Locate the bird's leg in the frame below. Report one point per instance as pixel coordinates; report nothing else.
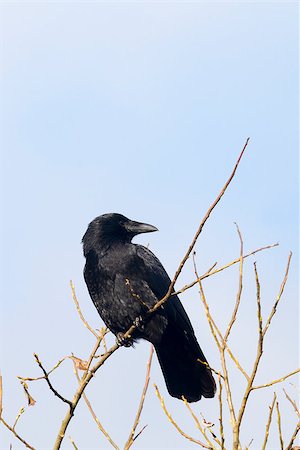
(121, 341)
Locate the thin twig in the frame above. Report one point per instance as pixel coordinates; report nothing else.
(294, 435)
(49, 382)
(73, 443)
(239, 293)
(48, 373)
(16, 434)
(282, 286)
(271, 408)
(99, 425)
(221, 414)
(22, 410)
(131, 437)
(198, 232)
(259, 316)
(293, 403)
(279, 380)
(259, 353)
(279, 425)
(213, 326)
(86, 324)
(210, 447)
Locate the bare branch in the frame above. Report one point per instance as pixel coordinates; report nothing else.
(239, 293)
(294, 435)
(22, 410)
(43, 377)
(86, 324)
(49, 382)
(271, 408)
(213, 326)
(176, 425)
(99, 425)
(73, 443)
(221, 413)
(293, 403)
(141, 405)
(16, 434)
(279, 425)
(259, 353)
(273, 311)
(279, 380)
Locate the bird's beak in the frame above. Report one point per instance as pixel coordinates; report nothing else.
(137, 227)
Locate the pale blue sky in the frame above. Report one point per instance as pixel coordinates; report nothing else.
(142, 108)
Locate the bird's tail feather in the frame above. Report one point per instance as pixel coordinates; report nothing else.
(181, 360)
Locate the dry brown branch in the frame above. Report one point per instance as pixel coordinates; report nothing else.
(240, 288)
(16, 434)
(294, 435)
(213, 326)
(86, 379)
(73, 443)
(99, 425)
(211, 272)
(279, 425)
(271, 408)
(282, 286)
(221, 348)
(259, 316)
(86, 324)
(236, 428)
(22, 410)
(293, 403)
(132, 436)
(57, 394)
(279, 380)
(42, 377)
(176, 425)
(221, 413)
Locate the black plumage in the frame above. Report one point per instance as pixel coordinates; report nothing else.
(125, 280)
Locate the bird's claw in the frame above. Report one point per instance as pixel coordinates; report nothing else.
(123, 341)
(139, 323)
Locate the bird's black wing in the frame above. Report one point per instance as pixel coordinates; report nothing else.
(158, 281)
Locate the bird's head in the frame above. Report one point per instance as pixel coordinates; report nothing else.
(112, 227)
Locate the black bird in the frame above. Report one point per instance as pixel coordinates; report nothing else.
(124, 281)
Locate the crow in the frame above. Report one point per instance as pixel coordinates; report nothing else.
(124, 281)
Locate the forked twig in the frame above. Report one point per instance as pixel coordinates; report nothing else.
(50, 384)
(16, 434)
(210, 447)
